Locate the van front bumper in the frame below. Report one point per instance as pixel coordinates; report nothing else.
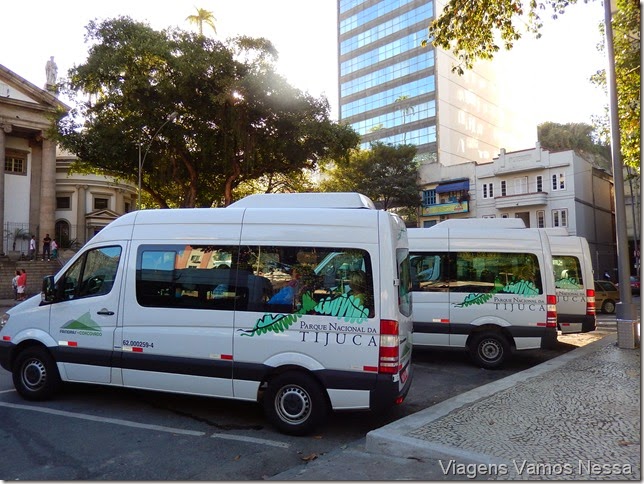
(6, 349)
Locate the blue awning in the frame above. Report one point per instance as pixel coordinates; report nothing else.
(453, 186)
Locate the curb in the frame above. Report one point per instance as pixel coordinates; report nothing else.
(392, 439)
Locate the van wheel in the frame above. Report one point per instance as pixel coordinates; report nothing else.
(35, 375)
(295, 403)
(608, 307)
(489, 349)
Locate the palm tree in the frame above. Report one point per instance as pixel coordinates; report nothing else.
(406, 108)
(203, 16)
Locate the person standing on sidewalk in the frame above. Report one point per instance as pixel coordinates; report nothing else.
(32, 248)
(14, 284)
(54, 249)
(46, 247)
(22, 285)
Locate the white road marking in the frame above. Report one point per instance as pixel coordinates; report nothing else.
(115, 421)
(273, 443)
(7, 391)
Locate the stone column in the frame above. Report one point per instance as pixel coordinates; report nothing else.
(81, 231)
(48, 188)
(6, 128)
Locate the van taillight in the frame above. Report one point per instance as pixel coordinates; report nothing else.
(388, 356)
(590, 302)
(551, 315)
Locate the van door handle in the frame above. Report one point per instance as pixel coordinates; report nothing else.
(105, 312)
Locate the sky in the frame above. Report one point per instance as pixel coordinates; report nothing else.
(547, 78)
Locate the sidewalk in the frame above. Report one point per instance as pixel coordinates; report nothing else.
(575, 417)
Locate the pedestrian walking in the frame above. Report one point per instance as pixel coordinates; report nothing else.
(46, 247)
(32, 248)
(22, 285)
(14, 284)
(54, 249)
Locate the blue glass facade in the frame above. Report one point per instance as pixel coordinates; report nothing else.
(386, 79)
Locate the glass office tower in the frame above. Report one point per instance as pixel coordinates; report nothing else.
(393, 90)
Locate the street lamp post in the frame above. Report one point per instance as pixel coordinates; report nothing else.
(172, 116)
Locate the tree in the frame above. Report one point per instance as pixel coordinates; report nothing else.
(626, 40)
(571, 136)
(387, 174)
(238, 119)
(202, 16)
(475, 30)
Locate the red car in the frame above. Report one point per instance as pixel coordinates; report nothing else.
(635, 286)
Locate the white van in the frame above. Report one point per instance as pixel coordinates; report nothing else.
(576, 312)
(227, 303)
(486, 291)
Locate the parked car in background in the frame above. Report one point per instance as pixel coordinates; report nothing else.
(606, 296)
(635, 285)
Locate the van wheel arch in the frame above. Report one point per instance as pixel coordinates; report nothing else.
(294, 400)
(490, 347)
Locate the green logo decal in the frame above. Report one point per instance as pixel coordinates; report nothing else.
(344, 307)
(524, 288)
(569, 283)
(84, 325)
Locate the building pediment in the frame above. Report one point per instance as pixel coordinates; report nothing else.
(102, 215)
(18, 91)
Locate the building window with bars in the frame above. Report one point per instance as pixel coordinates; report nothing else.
(504, 188)
(488, 190)
(539, 183)
(541, 219)
(15, 162)
(429, 197)
(559, 182)
(560, 218)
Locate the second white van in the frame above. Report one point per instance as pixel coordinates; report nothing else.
(489, 292)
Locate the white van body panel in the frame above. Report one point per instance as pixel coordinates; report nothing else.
(444, 317)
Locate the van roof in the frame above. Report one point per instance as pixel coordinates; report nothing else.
(305, 200)
(481, 223)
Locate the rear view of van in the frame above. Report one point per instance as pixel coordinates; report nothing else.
(298, 301)
(576, 312)
(489, 292)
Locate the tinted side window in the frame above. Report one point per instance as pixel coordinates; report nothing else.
(430, 271)
(186, 276)
(497, 272)
(476, 272)
(404, 278)
(567, 272)
(93, 274)
(266, 279)
(306, 280)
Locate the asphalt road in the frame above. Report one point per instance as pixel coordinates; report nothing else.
(91, 432)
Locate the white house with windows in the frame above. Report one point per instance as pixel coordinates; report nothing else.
(551, 189)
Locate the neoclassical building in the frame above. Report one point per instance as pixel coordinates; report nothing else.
(37, 193)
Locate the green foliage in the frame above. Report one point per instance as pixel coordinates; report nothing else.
(478, 29)
(626, 40)
(202, 16)
(386, 174)
(238, 119)
(580, 137)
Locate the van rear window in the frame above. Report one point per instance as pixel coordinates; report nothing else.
(567, 272)
(476, 272)
(269, 279)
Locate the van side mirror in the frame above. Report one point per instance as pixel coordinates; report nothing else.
(48, 293)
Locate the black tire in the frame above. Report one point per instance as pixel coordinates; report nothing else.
(295, 403)
(489, 349)
(35, 374)
(608, 306)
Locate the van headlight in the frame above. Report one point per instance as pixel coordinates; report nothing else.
(4, 320)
